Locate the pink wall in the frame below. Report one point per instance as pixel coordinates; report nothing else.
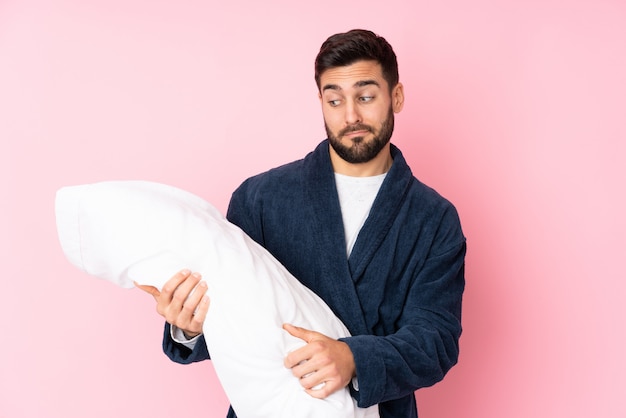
(515, 111)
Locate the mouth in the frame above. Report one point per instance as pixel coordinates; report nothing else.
(356, 131)
(353, 134)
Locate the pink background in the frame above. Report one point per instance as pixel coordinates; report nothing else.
(515, 111)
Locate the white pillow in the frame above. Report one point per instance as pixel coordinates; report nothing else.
(146, 232)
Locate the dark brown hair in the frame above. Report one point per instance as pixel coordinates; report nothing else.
(357, 45)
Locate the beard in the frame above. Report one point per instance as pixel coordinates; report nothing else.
(361, 151)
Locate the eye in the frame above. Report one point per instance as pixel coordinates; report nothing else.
(334, 103)
(366, 99)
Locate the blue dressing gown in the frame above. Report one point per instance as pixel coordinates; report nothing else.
(400, 291)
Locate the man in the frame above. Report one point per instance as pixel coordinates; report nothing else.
(350, 221)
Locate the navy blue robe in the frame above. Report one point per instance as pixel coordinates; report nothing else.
(400, 291)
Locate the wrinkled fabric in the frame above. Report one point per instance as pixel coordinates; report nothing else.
(400, 291)
(146, 232)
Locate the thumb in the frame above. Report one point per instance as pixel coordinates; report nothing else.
(302, 333)
(148, 289)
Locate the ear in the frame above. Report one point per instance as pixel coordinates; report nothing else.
(397, 98)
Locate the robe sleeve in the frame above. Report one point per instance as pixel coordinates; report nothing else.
(179, 353)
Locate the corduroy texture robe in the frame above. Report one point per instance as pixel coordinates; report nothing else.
(400, 291)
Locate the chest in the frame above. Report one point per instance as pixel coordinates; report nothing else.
(367, 290)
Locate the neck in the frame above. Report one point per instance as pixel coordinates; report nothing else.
(378, 165)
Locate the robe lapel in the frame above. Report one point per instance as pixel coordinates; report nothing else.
(384, 210)
(333, 281)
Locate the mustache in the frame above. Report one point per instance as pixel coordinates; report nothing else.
(354, 128)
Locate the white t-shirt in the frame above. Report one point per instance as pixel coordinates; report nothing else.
(356, 197)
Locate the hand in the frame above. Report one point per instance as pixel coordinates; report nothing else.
(180, 304)
(323, 366)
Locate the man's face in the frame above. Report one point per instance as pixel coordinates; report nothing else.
(358, 110)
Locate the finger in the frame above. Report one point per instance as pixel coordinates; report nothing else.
(148, 289)
(322, 390)
(174, 305)
(172, 284)
(190, 304)
(319, 385)
(299, 364)
(302, 333)
(201, 312)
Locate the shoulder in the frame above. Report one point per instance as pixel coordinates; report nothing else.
(273, 180)
(265, 193)
(287, 176)
(437, 214)
(429, 197)
(424, 208)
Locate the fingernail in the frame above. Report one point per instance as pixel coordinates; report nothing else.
(185, 272)
(202, 284)
(196, 275)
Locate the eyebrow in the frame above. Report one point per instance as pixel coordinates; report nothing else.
(358, 84)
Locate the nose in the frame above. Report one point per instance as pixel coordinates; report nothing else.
(352, 114)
